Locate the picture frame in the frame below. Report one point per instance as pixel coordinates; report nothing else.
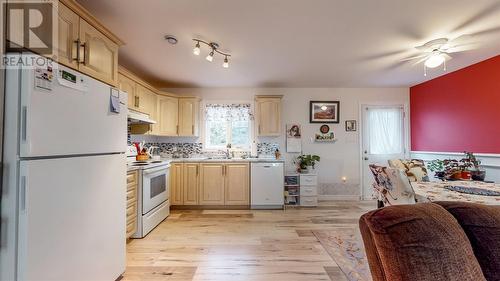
(351, 126)
(324, 112)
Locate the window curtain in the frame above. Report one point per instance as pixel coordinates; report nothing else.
(385, 130)
(228, 112)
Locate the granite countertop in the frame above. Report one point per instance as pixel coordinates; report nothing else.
(205, 159)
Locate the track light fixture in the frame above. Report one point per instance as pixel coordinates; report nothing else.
(214, 49)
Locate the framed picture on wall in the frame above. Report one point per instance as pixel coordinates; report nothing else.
(324, 112)
(350, 126)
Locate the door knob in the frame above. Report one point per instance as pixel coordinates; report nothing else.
(366, 158)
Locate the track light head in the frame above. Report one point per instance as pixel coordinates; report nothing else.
(210, 56)
(196, 49)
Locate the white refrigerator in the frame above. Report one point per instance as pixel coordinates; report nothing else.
(64, 176)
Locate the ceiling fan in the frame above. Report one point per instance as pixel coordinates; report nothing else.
(436, 52)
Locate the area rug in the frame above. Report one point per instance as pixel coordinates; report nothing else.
(345, 246)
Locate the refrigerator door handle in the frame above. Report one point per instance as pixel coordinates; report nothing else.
(24, 123)
(22, 194)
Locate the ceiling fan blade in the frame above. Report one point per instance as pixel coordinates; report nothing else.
(447, 56)
(461, 48)
(422, 48)
(415, 57)
(460, 39)
(420, 60)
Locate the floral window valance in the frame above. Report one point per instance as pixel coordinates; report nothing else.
(228, 112)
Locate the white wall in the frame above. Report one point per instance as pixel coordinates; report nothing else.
(339, 159)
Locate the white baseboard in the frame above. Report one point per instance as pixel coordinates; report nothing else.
(338, 197)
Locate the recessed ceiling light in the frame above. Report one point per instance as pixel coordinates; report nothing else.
(171, 39)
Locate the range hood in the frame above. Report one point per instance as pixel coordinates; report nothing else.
(135, 117)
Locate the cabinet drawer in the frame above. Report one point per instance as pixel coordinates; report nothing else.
(132, 186)
(131, 227)
(131, 178)
(308, 190)
(310, 201)
(131, 194)
(131, 211)
(308, 180)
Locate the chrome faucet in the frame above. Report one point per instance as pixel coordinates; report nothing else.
(228, 152)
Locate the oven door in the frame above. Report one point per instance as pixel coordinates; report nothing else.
(154, 187)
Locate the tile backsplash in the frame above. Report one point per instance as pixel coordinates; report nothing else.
(193, 148)
(183, 148)
(267, 148)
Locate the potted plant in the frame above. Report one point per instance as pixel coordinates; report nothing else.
(474, 166)
(453, 169)
(307, 162)
(437, 166)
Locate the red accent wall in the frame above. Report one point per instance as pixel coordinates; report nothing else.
(459, 111)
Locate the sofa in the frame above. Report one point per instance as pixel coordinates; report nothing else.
(433, 241)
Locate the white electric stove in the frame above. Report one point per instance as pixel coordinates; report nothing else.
(153, 204)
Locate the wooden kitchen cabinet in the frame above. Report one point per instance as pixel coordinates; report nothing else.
(129, 86)
(131, 211)
(212, 184)
(146, 100)
(68, 29)
(191, 183)
(236, 183)
(168, 116)
(188, 116)
(176, 181)
(83, 43)
(268, 111)
(98, 54)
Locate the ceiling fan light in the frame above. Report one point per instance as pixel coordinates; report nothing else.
(434, 60)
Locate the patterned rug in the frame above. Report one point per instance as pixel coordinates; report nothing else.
(345, 246)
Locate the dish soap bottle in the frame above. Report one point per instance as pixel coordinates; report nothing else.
(277, 154)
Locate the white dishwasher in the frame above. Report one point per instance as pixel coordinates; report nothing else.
(267, 185)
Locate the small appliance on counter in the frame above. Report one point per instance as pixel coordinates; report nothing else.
(153, 204)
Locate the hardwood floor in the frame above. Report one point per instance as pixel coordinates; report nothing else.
(242, 244)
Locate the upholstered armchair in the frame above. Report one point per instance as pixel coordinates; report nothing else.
(442, 241)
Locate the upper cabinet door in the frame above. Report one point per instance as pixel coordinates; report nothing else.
(98, 54)
(269, 116)
(188, 116)
(68, 36)
(168, 116)
(146, 100)
(129, 86)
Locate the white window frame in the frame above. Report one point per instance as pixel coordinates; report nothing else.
(227, 102)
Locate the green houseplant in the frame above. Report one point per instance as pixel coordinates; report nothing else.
(307, 162)
(437, 166)
(474, 166)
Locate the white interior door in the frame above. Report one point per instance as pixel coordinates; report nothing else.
(384, 137)
(72, 218)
